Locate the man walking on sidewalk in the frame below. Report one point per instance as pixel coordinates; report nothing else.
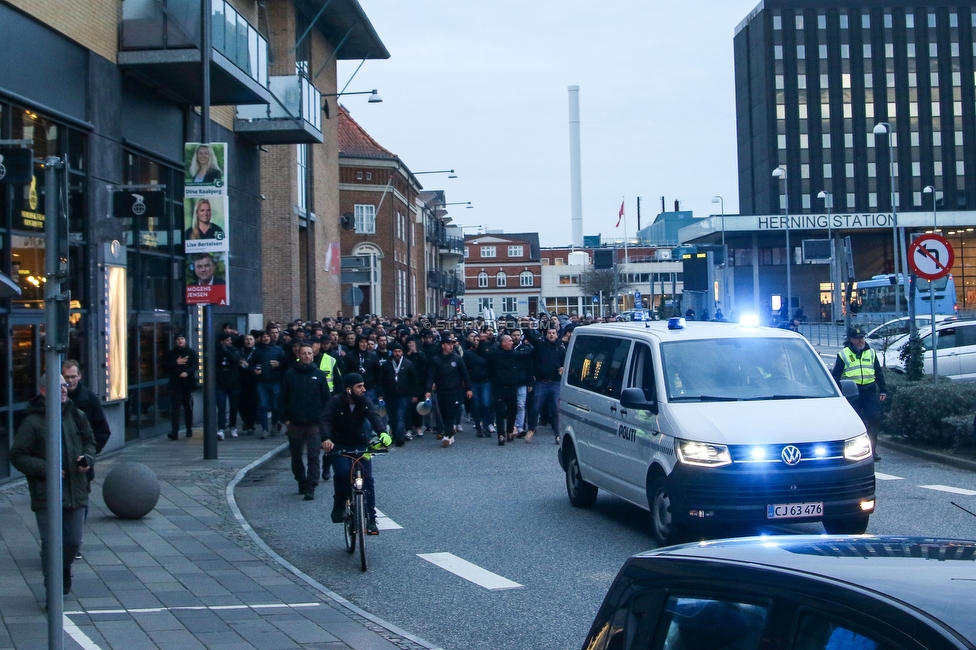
(29, 456)
(304, 393)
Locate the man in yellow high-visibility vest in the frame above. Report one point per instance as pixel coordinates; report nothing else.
(859, 362)
(329, 364)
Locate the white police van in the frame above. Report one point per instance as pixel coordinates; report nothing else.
(712, 423)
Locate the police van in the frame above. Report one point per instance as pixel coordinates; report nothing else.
(712, 423)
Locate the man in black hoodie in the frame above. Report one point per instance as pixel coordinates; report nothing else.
(181, 364)
(505, 364)
(304, 393)
(398, 386)
(448, 376)
(549, 355)
(476, 362)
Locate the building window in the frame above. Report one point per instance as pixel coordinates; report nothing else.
(801, 52)
(823, 51)
(487, 251)
(934, 50)
(843, 21)
(866, 21)
(827, 171)
(526, 279)
(569, 279)
(365, 219)
(467, 251)
(821, 22)
(359, 176)
(509, 304)
(867, 50)
(485, 303)
(516, 251)
(302, 168)
(845, 51)
(910, 21)
(369, 176)
(777, 22)
(778, 52)
(799, 21)
(501, 280)
(482, 280)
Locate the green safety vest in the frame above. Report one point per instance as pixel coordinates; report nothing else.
(327, 365)
(860, 370)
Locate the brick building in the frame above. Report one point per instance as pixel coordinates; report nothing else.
(502, 273)
(113, 89)
(383, 254)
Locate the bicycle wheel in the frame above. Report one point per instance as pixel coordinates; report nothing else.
(361, 527)
(348, 526)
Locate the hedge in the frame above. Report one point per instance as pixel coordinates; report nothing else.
(935, 414)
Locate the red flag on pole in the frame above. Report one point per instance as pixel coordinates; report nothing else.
(621, 215)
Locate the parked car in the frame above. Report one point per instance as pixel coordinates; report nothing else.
(899, 327)
(793, 593)
(707, 424)
(956, 353)
(636, 315)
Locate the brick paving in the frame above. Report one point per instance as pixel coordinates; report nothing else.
(188, 575)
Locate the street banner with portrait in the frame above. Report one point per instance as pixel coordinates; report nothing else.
(206, 279)
(206, 223)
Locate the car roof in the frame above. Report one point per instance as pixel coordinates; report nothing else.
(693, 330)
(934, 575)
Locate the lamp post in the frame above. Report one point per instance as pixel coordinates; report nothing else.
(374, 97)
(928, 189)
(725, 253)
(828, 200)
(780, 173)
(450, 172)
(884, 128)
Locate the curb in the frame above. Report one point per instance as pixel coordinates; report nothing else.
(927, 454)
(339, 600)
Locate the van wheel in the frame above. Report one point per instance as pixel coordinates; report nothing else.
(581, 494)
(665, 529)
(856, 525)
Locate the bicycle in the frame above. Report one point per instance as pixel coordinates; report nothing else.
(355, 518)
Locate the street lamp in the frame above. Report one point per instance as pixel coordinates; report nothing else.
(725, 252)
(884, 128)
(928, 189)
(828, 200)
(450, 172)
(374, 96)
(465, 203)
(780, 173)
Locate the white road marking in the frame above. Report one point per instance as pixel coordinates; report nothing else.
(468, 571)
(153, 610)
(79, 637)
(887, 477)
(949, 488)
(385, 523)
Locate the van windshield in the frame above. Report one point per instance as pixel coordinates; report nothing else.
(743, 369)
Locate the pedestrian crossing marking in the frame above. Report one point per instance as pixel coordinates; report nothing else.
(385, 523)
(470, 572)
(887, 477)
(78, 636)
(949, 488)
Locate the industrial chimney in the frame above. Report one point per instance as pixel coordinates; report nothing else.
(575, 175)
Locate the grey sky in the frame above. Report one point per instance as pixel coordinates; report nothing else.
(481, 87)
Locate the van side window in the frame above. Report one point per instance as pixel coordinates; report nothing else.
(816, 632)
(597, 364)
(642, 371)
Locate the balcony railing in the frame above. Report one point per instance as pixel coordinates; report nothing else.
(452, 245)
(445, 282)
(172, 25)
(294, 117)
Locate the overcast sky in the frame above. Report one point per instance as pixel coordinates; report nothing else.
(481, 87)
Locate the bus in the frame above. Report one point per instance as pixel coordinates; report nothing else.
(874, 300)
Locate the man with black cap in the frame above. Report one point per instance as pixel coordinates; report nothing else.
(181, 364)
(342, 425)
(859, 362)
(305, 390)
(448, 377)
(398, 386)
(228, 383)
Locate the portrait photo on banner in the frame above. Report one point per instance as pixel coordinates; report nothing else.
(206, 279)
(205, 164)
(205, 219)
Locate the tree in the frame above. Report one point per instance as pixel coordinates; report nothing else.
(596, 282)
(911, 355)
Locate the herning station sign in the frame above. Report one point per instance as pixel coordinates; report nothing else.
(820, 221)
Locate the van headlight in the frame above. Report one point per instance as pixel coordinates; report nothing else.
(857, 448)
(702, 454)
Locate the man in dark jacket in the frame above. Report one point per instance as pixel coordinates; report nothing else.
(419, 360)
(448, 377)
(548, 357)
(89, 404)
(248, 396)
(181, 364)
(304, 393)
(28, 454)
(363, 362)
(270, 365)
(505, 363)
(228, 383)
(343, 425)
(398, 387)
(476, 362)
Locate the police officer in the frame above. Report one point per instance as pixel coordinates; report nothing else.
(859, 362)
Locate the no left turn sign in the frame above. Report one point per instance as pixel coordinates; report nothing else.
(931, 256)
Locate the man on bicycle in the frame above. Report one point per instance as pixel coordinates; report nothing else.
(342, 425)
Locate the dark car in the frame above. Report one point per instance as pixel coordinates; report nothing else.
(794, 593)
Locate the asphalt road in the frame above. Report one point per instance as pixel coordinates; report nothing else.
(505, 510)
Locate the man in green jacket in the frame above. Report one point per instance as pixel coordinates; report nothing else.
(28, 455)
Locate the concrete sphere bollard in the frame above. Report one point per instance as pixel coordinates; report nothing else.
(131, 490)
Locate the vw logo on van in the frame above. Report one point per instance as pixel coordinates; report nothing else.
(791, 455)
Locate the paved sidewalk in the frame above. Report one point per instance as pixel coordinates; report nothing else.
(189, 575)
